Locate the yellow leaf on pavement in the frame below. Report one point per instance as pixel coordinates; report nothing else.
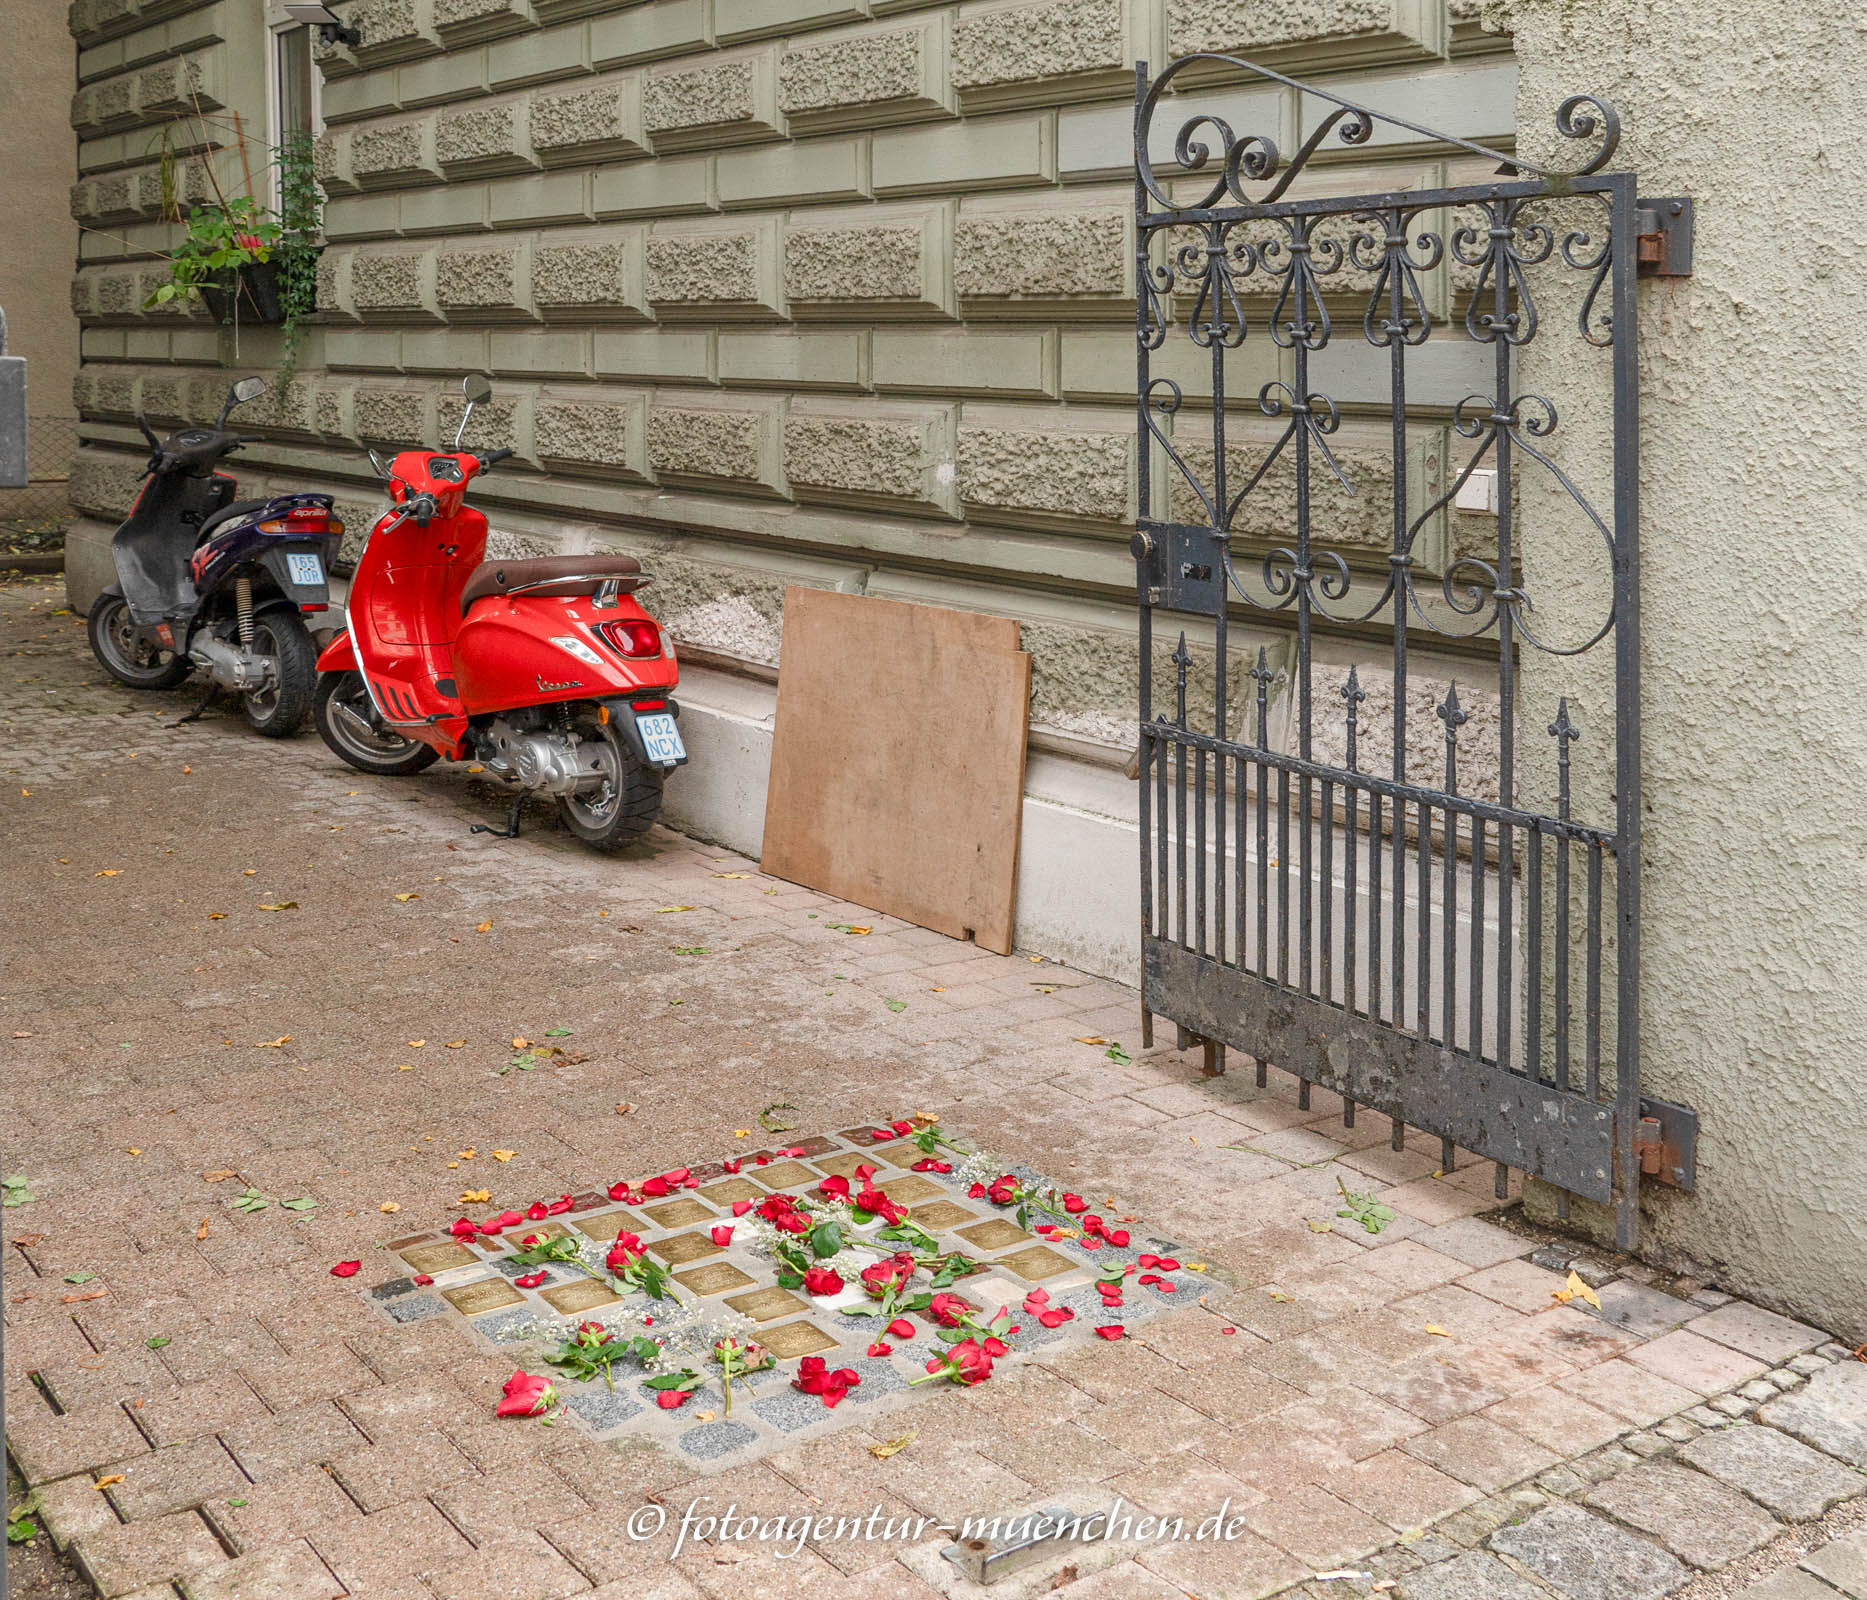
(475, 1197)
(416, 1044)
(894, 1447)
(218, 1175)
(105, 1483)
(1090, 1038)
(282, 905)
(217, 916)
(504, 1155)
(201, 1232)
(389, 1205)
(731, 874)
(521, 1044)
(274, 1044)
(484, 927)
(1575, 1289)
(108, 872)
(407, 897)
(662, 911)
(456, 1044)
(1434, 1328)
(468, 1154)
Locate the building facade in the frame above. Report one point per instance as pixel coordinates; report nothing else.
(824, 292)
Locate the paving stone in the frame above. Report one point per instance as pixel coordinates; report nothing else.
(135, 1554)
(415, 1309)
(1704, 1365)
(1808, 1365)
(1472, 1576)
(189, 1411)
(514, 1567)
(602, 1408)
(71, 1507)
(712, 1441)
(1831, 1413)
(1589, 1558)
(1477, 1244)
(1401, 1491)
(1693, 1515)
(510, 1502)
(267, 1446)
(1731, 1405)
(1629, 1391)
(1560, 1421)
(411, 1539)
(284, 1572)
(1480, 1453)
(1842, 1563)
(1316, 1527)
(1760, 1390)
(281, 1509)
(407, 1467)
(47, 1446)
(1786, 1380)
(1678, 1430)
(1756, 1332)
(1561, 1482)
(1775, 1470)
(1640, 1310)
(1789, 1583)
(1646, 1445)
(157, 1482)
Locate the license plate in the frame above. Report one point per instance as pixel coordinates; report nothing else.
(306, 571)
(662, 739)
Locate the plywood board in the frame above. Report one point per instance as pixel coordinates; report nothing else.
(897, 768)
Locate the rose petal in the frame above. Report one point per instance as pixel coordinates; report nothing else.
(723, 1234)
(1057, 1317)
(1150, 1278)
(537, 1211)
(618, 1191)
(656, 1187)
(1090, 1244)
(346, 1269)
(791, 1152)
(881, 1135)
(902, 1128)
(1039, 1296)
(463, 1229)
(670, 1399)
(531, 1280)
(741, 1207)
(559, 1206)
(976, 1192)
(1167, 1264)
(880, 1349)
(422, 1280)
(1074, 1204)
(1112, 1331)
(1117, 1237)
(729, 1166)
(931, 1165)
(1146, 1260)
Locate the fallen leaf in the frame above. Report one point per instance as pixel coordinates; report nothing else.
(894, 1447)
(1090, 1038)
(742, 1133)
(217, 916)
(250, 872)
(201, 1232)
(73, 1299)
(1575, 1289)
(108, 872)
(484, 927)
(274, 1044)
(521, 1044)
(79, 1277)
(283, 905)
(1281, 1298)
(105, 1483)
(1321, 1225)
(1434, 1328)
(389, 1205)
(456, 1044)
(1413, 1536)
(705, 1416)
(468, 1154)
(218, 1175)
(475, 1197)
(134, 1149)
(22, 1035)
(624, 1108)
(662, 911)
(504, 1155)
(186, 771)
(731, 874)
(404, 1067)
(407, 897)
(416, 1044)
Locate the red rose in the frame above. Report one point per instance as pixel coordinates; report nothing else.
(873, 1200)
(814, 1377)
(526, 1396)
(821, 1280)
(346, 1269)
(463, 1229)
(1074, 1203)
(671, 1399)
(624, 1252)
(947, 1310)
(971, 1361)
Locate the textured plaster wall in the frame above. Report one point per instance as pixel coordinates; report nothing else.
(1753, 575)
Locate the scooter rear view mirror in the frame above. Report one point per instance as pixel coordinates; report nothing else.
(246, 389)
(376, 462)
(476, 389)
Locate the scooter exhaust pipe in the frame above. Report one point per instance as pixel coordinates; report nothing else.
(229, 667)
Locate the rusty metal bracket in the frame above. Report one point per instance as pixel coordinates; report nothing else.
(1664, 237)
(1666, 1143)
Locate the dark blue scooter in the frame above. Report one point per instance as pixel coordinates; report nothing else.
(204, 580)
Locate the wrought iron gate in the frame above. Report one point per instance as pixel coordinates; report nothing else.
(1450, 940)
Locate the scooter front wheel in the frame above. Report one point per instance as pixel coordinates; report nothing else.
(278, 710)
(113, 641)
(347, 722)
(624, 806)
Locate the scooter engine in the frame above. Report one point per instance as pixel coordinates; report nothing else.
(550, 763)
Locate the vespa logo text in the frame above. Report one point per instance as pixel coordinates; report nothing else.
(546, 686)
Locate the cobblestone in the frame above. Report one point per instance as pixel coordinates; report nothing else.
(1694, 1516)
(1831, 1413)
(1589, 1559)
(1778, 1472)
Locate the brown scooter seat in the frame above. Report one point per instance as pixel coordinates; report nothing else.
(552, 575)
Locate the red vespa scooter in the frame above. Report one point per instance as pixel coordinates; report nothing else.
(547, 671)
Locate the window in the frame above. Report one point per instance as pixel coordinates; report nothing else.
(297, 96)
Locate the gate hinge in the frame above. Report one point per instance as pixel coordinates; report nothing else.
(1664, 237)
(1666, 1143)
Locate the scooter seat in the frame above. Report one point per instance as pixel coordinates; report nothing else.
(232, 513)
(552, 575)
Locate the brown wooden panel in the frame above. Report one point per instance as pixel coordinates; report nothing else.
(897, 768)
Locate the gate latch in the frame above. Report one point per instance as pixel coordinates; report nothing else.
(1666, 1143)
(1664, 237)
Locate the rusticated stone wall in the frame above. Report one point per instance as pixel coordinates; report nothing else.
(821, 291)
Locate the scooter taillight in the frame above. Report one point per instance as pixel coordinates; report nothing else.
(638, 640)
(305, 520)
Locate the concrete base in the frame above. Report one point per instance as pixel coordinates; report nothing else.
(1078, 885)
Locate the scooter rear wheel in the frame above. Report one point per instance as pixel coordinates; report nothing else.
(278, 710)
(348, 724)
(628, 801)
(113, 642)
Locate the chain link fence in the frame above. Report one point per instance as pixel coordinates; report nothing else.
(33, 519)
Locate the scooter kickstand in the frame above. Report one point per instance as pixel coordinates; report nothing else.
(511, 829)
(195, 715)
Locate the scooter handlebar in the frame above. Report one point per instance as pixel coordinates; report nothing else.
(493, 457)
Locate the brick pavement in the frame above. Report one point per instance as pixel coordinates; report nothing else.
(273, 1436)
